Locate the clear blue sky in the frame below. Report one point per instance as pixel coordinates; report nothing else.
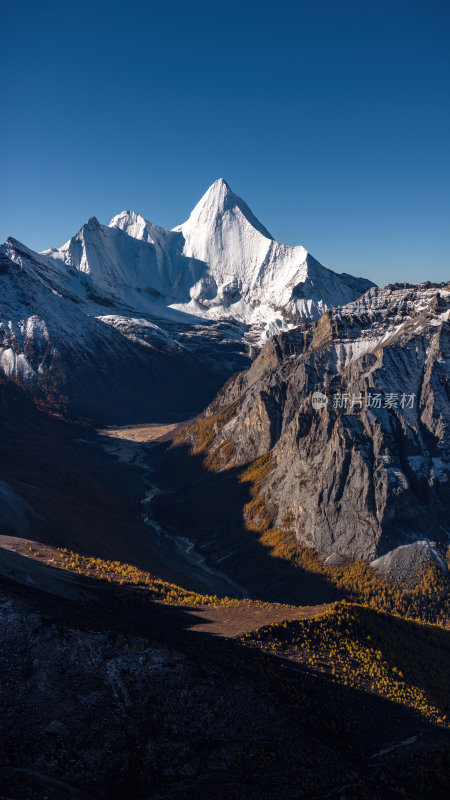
(329, 117)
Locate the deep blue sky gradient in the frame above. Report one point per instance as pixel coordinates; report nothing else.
(330, 118)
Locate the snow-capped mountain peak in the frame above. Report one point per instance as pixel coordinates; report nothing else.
(223, 263)
(220, 202)
(218, 278)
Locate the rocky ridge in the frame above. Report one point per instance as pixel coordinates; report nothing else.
(368, 469)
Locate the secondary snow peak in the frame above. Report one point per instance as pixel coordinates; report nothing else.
(133, 224)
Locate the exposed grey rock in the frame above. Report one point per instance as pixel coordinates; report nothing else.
(406, 562)
(334, 560)
(355, 480)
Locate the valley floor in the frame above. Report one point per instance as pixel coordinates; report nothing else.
(151, 432)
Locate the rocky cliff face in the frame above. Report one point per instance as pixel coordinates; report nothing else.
(364, 466)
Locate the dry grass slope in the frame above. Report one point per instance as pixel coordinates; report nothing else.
(404, 661)
(202, 432)
(115, 572)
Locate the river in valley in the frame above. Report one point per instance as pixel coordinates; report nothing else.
(175, 550)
